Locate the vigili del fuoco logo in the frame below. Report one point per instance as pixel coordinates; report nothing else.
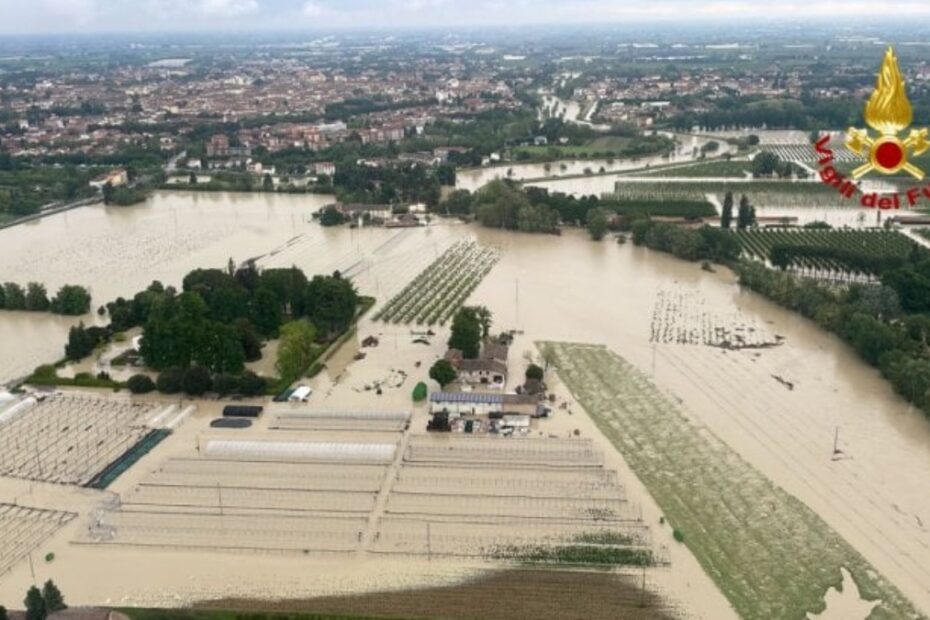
(886, 149)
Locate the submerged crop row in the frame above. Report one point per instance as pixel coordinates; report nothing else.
(857, 251)
(439, 290)
(770, 554)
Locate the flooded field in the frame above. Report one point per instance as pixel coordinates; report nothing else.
(777, 407)
(474, 178)
(118, 251)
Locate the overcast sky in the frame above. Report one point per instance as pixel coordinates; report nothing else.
(37, 16)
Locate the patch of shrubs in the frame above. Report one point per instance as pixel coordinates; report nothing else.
(197, 381)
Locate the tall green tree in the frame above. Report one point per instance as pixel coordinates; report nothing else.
(597, 223)
(331, 302)
(80, 343)
(746, 217)
(726, 217)
(466, 333)
(54, 601)
(218, 348)
(15, 296)
(251, 343)
(443, 372)
(331, 216)
(266, 311)
(71, 300)
(35, 605)
(289, 285)
(296, 349)
(36, 297)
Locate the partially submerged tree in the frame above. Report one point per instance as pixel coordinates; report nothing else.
(54, 601)
(597, 222)
(534, 372)
(726, 217)
(35, 605)
(467, 331)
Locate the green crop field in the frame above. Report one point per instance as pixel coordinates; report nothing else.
(760, 193)
(769, 554)
(663, 208)
(867, 243)
(714, 168)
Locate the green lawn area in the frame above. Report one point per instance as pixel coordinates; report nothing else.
(714, 168)
(609, 143)
(562, 151)
(769, 554)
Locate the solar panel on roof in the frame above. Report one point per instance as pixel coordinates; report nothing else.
(466, 397)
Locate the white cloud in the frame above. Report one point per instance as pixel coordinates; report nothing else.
(228, 8)
(313, 9)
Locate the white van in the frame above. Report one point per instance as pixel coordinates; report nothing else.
(301, 394)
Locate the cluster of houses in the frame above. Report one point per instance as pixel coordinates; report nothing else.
(481, 404)
(386, 215)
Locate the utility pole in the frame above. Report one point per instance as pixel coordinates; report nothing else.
(517, 301)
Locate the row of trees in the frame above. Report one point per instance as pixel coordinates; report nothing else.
(504, 204)
(196, 381)
(40, 603)
(706, 243)
(70, 299)
(756, 111)
(746, 215)
(784, 256)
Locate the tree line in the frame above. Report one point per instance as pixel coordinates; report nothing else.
(70, 299)
(505, 204)
(702, 244)
(200, 337)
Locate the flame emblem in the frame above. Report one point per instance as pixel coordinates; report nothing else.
(888, 112)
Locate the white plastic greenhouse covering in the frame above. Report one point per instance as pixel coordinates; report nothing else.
(332, 451)
(20, 407)
(348, 415)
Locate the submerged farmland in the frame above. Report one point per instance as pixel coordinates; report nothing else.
(770, 554)
(441, 289)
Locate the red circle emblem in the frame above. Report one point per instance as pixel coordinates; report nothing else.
(889, 155)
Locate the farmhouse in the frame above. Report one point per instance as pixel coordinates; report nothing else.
(490, 369)
(357, 210)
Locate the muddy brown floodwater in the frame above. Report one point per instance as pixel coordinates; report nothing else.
(118, 251)
(778, 407)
